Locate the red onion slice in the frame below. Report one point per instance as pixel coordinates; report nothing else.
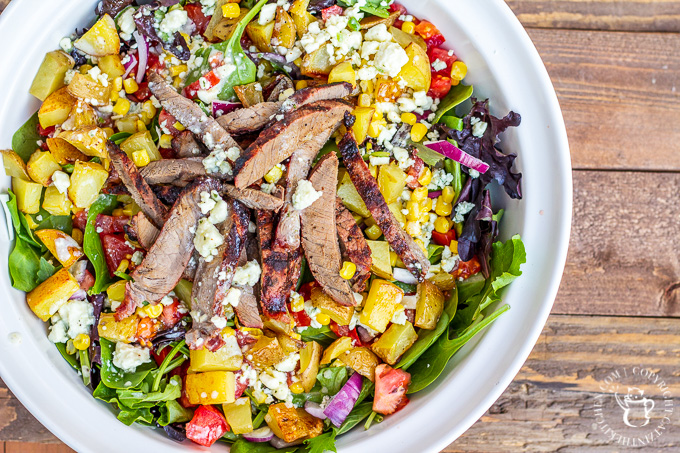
(404, 276)
(220, 108)
(434, 194)
(447, 149)
(143, 48)
(315, 410)
(264, 434)
(343, 402)
(130, 65)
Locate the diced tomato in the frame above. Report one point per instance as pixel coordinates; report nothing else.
(467, 268)
(306, 290)
(345, 331)
(437, 53)
(402, 12)
(115, 250)
(154, 63)
(390, 389)
(195, 13)
(414, 171)
(167, 153)
(207, 426)
(334, 10)
(142, 94)
(241, 384)
(87, 281)
(80, 220)
(439, 87)
(167, 122)
(171, 314)
(107, 224)
(216, 59)
(430, 33)
(46, 132)
(301, 318)
(444, 238)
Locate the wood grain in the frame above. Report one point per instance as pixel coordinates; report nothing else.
(630, 15)
(620, 96)
(25, 447)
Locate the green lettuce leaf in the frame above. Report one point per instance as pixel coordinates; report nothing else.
(92, 245)
(24, 141)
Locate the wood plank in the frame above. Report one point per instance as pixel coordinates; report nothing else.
(628, 15)
(620, 96)
(25, 447)
(623, 254)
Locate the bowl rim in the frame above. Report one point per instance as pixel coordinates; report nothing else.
(562, 155)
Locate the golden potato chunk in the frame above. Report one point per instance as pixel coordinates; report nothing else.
(265, 353)
(28, 195)
(381, 304)
(100, 40)
(56, 203)
(227, 358)
(335, 349)
(51, 294)
(429, 306)
(50, 76)
(284, 29)
(212, 387)
(123, 330)
(416, 73)
(41, 165)
(63, 151)
(361, 360)
(310, 356)
(394, 342)
(56, 108)
(90, 141)
(87, 180)
(61, 245)
(338, 313)
(238, 415)
(89, 90)
(14, 165)
(291, 423)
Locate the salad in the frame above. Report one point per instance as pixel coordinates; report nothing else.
(259, 223)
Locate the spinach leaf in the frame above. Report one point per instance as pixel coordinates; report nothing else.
(429, 156)
(142, 416)
(434, 253)
(70, 358)
(407, 288)
(20, 223)
(24, 141)
(358, 414)
(119, 137)
(321, 444)
(92, 245)
(135, 399)
(115, 378)
(243, 446)
(27, 268)
(332, 379)
(367, 389)
(53, 222)
(323, 335)
(373, 7)
(173, 412)
(471, 287)
(457, 95)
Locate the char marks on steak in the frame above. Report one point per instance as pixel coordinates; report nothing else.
(142, 230)
(319, 234)
(178, 172)
(253, 198)
(410, 253)
(353, 246)
(337, 90)
(249, 119)
(185, 145)
(167, 194)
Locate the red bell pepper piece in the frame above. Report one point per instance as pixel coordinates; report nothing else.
(430, 33)
(415, 171)
(334, 10)
(171, 314)
(437, 53)
(444, 238)
(46, 132)
(345, 331)
(195, 13)
(439, 87)
(207, 426)
(467, 268)
(192, 90)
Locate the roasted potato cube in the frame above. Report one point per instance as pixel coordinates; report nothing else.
(50, 76)
(111, 66)
(310, 356)
(41, 166)
(51, 294)
(28, 195)
(416, 73)
(284, 29)
(336, 349)
(249, 94)
(212, 387)
(291, 423)
(361, 360)
(56, 203)
(83, 115)
(363, 116)
(261, 35)
(61, 245)
(317, 64)
(227, 358)
(372, 21)
(141, 140)
(338, 313)
(238, 415)
(444, 281)
(89, 90)
(276, 325)
(404, 39)
(351, 198)
(87, 180)
(395, 208)
(301, 17)
(56, 108)
(394, 342)
(225, 28)
(123, 330)
(100, 40)
(288, 344)
(14, 165)
(391, 182)
(381, 264)
(218, 19)
(90, 141)
(63, 151)
(343, 72)
(266, 352)
(430, 305)
(381, 304)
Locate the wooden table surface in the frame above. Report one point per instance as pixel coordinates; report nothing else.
(615, 65)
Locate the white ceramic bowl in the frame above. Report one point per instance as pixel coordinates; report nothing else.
(503, 65)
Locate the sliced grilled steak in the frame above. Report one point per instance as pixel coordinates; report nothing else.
(167, 194)
(308, 95)
(190, 271)
(308, 126)
(246, 310)
(167, 258)
(138, 188)
(236, 240)
(276, 282)
(250, 119)
(143, 230)
(319, 235)
(253, 198)
(178, 172)
(185, 145)
(405, 247)
(190, 115)
(353, 246)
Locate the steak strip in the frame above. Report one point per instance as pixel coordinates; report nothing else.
(353, 246)
(164, 264)
(319, 234)
(137, 186)
(405, 247)
(143, 230)
(246, 310)
(178, 172)
(253, 198)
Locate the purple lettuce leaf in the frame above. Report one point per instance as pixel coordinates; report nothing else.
(144, 19)
(112, 7)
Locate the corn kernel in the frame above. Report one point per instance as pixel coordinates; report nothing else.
(369, 221)
(408, 27)
(122, 107)
(413, 208)
(426, 205)
(458, 71)
(297, 303)
(454, 247)
(85, 68)
(323, 319)
(81, 342)
(141, 126)
(369, 146)
(348, 270)
(165, 141)
(377, 115)
(130, 85)
(418, 131)
(122, 267)
(301, 84)
(454, 82)
(175, 71)
(296, 387)
(442, 225)
(364, 100)
(376, 127)
(140, 158)
(228, 332)
(373, 232)
(178, 126)
(176, 82)
(413, 228)
(149, 111)
(273, 175)
(425, 177)
(117, 84)
(447, 194)
(366, 86)
(393, 258)
(409, 118)
(77, 236)
(114, 96)
(116, 291)
(373, 170)
(295, 335)
(419, 194)
(421, 244)
(443, 208)
(118, 212)
(154, 311)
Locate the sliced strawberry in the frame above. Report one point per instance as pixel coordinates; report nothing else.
(390, 389)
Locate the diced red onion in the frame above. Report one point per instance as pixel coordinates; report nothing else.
(143, 48)
(81, 294)
(423, 116)
(343, 402)
(434, 194)
(447, 149)
(264, 434)
(404, 276)
(130, 65)
(315, 410)
(78, 270)
(220, 108)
